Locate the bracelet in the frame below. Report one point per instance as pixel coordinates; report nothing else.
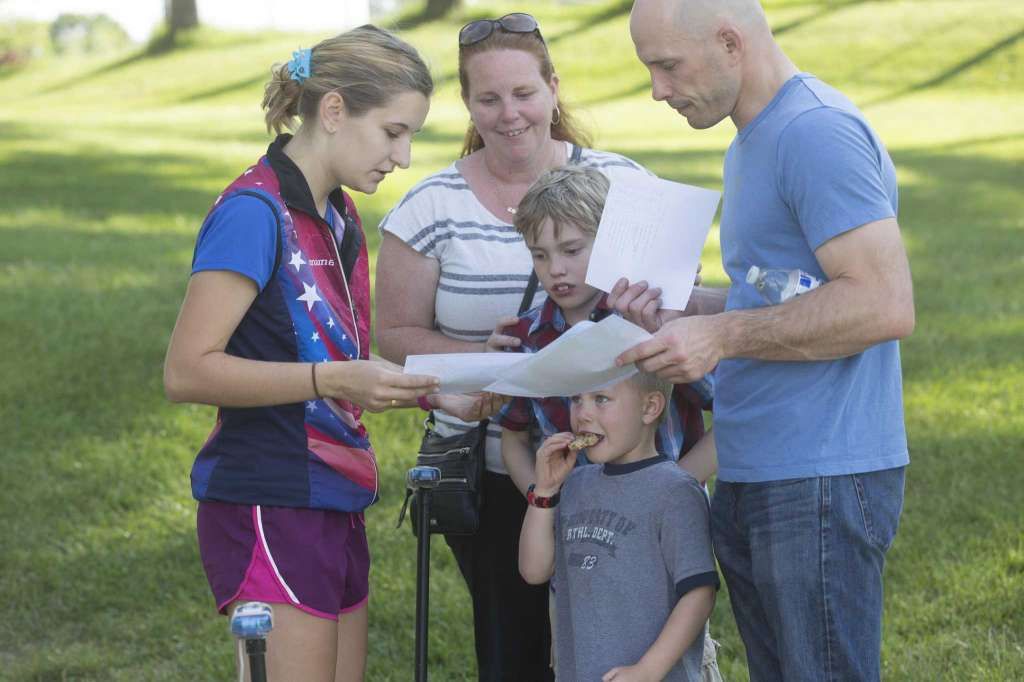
(535, 500)
(312, 371)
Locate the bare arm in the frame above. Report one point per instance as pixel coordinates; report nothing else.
(406, 288)
(537, 539)
(867, 300)
(537, 545)
(701, 461)
(518, 458)
(684, 625)
(197, 368)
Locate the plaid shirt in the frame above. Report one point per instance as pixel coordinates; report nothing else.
(682, 427)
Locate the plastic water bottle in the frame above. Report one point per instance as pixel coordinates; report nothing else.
(778, 286)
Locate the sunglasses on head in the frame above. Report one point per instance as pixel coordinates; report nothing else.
(517, 22)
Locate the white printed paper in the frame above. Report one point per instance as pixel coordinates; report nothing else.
(652, 230)
(581, 360)
(463, 372)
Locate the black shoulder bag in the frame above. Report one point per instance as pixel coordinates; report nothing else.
(456, 502)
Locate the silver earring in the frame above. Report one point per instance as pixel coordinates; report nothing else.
(556, 116)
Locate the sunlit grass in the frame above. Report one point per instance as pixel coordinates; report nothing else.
(108, 165)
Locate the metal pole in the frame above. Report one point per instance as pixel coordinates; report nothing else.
(257, 648)
(423, 480)
(422, 583)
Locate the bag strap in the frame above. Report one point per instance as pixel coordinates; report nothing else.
(405, 507)
(531, 286)
(531, 289)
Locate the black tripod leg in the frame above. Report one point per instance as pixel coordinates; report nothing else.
(257, 648)
(422, 581)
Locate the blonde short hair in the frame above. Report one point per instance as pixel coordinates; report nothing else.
(571, 195)
(648, 382)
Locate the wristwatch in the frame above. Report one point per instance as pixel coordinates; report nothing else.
(541, 502)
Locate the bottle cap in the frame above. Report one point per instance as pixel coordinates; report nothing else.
(752, 274)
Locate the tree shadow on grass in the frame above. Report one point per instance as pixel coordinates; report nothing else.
(157, 50)
(83, 355)
(899, 51)
(98, 184)
(821, 10)
(952, 554)
(434, 135)
(959, 217)
(134, 605)
(622, 7)
(612, 11)
(953, 71)
(89, 306)
(224, 89)
(824, 9)
(680, 165)
(639, 88)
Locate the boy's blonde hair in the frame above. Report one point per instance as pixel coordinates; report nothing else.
(648, 382)
(571, 195)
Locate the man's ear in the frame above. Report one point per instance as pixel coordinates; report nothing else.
(730, 39)
(654, 405)
(332, 112)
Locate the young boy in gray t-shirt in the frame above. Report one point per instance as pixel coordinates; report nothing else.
(626, 539)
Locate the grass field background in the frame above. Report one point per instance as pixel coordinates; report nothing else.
(108, 165)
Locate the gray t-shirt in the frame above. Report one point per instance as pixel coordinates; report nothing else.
(630, 540)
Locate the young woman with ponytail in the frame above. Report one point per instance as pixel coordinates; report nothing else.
(275, 331)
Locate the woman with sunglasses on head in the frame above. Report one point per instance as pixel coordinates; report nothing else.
(452, 271)
(274, 330)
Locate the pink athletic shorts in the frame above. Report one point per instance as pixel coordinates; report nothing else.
(313, 559)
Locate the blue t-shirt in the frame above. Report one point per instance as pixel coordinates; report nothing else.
(808, 168)
(241, 236)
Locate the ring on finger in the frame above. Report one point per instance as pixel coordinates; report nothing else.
(394, 402)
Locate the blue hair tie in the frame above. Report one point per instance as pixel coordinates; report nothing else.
(298, 67)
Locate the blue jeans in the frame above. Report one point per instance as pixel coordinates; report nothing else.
(803, 562)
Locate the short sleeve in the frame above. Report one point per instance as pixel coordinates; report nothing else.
(831, 174)
(419, 220)
(240, 235)
(685, 536)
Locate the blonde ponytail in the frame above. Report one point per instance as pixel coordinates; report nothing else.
(367, 66)
(281, 99)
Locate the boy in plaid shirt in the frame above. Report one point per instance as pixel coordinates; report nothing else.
(558, 219)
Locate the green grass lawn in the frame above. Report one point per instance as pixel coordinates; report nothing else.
(107, 167)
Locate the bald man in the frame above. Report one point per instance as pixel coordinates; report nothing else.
(809, 428)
